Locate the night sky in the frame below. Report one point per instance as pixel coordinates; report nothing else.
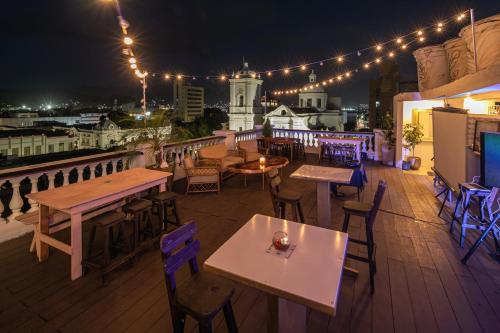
(59, 49)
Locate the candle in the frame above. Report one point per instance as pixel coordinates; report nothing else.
(262, 160)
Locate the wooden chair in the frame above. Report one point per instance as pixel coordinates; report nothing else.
(202, 295)
(103, 260)
(141, 218)
(369, 212)
(280, 198)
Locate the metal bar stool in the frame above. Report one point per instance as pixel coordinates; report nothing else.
(106, 260)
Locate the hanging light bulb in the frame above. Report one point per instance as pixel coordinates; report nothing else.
(404, 46)
(128, 41)
(420, 32)
(132, 60)
(399, 40)
(461, 17)
(133, 66)
(379, 47)
(253, 76)
(378, 60)
(179, 77)
(223, 78)
(421, 39)
(330, 80)
(439, 27)
(339, 78)
(237, 76)
(367, 65)
(348, 74)
(323, 83)
(391, 54)
(340, 59)
(269, 73)
(138, 73)
(286, 71)
(303, 67)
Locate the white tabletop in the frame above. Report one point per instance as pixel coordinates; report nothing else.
(323, 174)
(310, 276)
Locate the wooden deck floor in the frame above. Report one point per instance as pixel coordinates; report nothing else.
(420, 284)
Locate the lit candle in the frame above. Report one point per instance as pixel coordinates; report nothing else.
(262, 160)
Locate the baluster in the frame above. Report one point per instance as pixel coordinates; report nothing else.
(52, 178)
(113, 165)
(92, 168)
(16, 203)
(79, 170)
(65, 174)
(34, 189)
(177, 157)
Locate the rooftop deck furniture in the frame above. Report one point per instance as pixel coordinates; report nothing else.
(251, 150)
(278, 146)
(163, 201)
(356, 142)
(323, 176)
(202, 295)
(254, 167)
(104, 261)
(202, 176)
(139, 212)
(76, 199)
(309, 278)
(281, 198)
(222, 155)
(369, 212)
(358, 179)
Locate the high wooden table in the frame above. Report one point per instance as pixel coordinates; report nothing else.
(254, 167)
(339, 140)
(78, 198)
(323, 176)
(309, 277)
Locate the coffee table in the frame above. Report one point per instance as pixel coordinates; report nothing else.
(254, 167)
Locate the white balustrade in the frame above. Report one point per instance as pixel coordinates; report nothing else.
(16, 203)
(34, 189)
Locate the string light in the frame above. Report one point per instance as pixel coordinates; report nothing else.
(339, 77)
(399, 40)
(133, 66)
(286, 71)
(439, 27)
(223, 78)
(340, 59)
(132, 60)
(379, 47)
(303, 67)
(367, 65)
(348, 74)
(167, 76)
(269, 74)
(128, 41)
(404, 46)
(421, 39)
(391, 54)
(179, 77)
(420, 33)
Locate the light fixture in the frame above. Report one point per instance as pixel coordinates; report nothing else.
(167, 76)
(253, 76)
(133, 66)
(330, 80)
(367, 65)
(420, 32)
(132, 60)
(339, 77)
(348, 74)
(128, 41)
(421, 39)
(399, 40)
(303, 67)
(286, 71)
(223, 77)
(391, 54)
(379, 47)
(340, 59)
(179, 77)
(378, 60)
(404, 46)
(237, 76)
(269, 73)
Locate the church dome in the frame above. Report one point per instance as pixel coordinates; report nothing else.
(313, 86)
(245, 72)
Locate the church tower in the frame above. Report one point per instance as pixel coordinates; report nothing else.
(245, 109)
(315, 96)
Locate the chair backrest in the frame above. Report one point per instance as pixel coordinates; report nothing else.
(188, 162)
(174, 258)
(273, 182)
(377, 200)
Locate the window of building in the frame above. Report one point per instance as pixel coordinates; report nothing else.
(301, 103)
(15, 151)
(4, 152)
(309, 102)
(27, 151)
(51, 148)
(38, 150)
(61, 146)
(318, 103)
(240, 102)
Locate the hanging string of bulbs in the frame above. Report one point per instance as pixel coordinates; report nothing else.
(402, 43)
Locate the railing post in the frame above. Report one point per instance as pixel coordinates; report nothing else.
(34, 189)
(16, 203)
(51, 177)
(79, 169)
(65, 174)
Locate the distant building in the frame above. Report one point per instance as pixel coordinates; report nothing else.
(382, 91)
(316, 110)
(28, 142)
(188, 101)
(29, 119)
(245, 109)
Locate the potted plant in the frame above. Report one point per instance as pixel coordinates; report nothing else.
(388, 151)
(267, 130)
(412, 134)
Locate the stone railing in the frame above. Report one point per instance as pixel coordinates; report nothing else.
(175, 151)
(16, 183)
(248, 135)
(310, 138)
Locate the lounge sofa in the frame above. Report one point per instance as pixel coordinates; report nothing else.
(251, 150)
(222, 155)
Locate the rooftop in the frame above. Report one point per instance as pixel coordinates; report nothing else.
(420, 283)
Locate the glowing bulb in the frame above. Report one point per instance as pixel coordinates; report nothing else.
(439, 29)
(404, 46)
(132, 60)
(303, 67)
(340, 59)
(179, 77)
(138, 73)
(167, 76)
(379, 47)
(223, 77)
(391, 54)
(348, 74)
(421, 39)
(237, 76)
(305, 89)
(460, 17)
(330, 80)
(420, 32)
(295, 91)
(367, 65)
(269, 73)
(339, 77)
(317, 85)
(133, 66)
(128, 41)
(286, 71)
(378, 60)
(440, 25)
(253, 76)
(399, 40)
(323, 83)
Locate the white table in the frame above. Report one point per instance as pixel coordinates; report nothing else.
(353, 141)
(323, 176)
(310, 277)
(78, 198)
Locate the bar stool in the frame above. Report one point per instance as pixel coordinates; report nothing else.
(140, 212)
(106, 264)
(280, 198)
(162, 202)
(369, 212)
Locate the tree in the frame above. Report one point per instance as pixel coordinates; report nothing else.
(412, 133)
(388, 127)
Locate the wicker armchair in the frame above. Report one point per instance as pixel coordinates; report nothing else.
(202, 176)
(251, 150)
(222, 156)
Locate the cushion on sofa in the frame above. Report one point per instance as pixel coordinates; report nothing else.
(217, 151)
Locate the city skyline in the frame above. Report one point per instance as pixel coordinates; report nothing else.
(59, 51)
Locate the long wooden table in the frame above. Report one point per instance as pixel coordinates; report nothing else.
(309, 277)
(76, 199)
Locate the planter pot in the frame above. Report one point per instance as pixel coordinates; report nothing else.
(415, 162)
(387, 154)
(432, 67)
(405, 165)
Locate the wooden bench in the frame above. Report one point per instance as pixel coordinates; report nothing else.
(60, 221)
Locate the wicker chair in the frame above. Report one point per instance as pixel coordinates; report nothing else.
(202, 176)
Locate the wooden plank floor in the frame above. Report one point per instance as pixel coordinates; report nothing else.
(421, 286)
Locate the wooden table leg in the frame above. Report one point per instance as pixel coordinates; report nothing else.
(286, 316)
(163, 187)
(76, 245)
(263, 185)
(323, 202)
(42, 249)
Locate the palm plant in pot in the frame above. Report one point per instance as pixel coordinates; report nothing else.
(412, 134)
(390, 140)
